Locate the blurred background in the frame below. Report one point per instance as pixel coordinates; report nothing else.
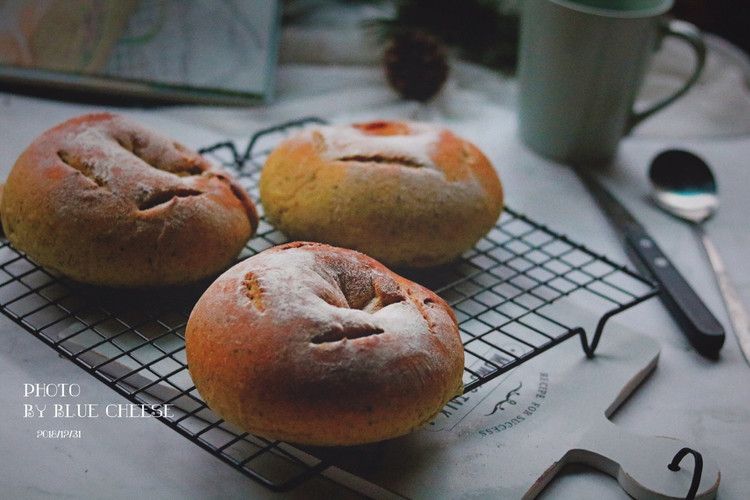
(729, 19)
(228, 54)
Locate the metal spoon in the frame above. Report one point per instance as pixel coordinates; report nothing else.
(684, 186)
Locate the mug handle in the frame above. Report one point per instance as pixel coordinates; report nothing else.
(690, 34)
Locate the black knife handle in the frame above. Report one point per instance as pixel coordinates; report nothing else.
(702, 329)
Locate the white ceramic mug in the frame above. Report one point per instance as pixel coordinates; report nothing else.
(581, 65)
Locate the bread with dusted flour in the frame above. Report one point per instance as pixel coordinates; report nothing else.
(323, 346)
(107, 201)
(409, 194)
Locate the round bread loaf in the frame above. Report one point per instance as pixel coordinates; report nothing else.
(323, 346)
(109, 202)
(408, 194)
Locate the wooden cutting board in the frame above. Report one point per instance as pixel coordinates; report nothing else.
(510, 437)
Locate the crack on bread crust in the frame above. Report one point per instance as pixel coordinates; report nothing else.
(404, 161)
(350, 333)
(383, 127)
(253, 291)
(184, 163)
(83, 167)
(422, 304)
(166, 196)
(364, 293)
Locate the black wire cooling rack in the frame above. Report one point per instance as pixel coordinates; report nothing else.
(512, 294)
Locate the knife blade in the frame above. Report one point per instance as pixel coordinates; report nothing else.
(700, 326)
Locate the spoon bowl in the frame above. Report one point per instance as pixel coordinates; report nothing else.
(684, 185)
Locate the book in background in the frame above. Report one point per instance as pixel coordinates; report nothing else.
(219, 52)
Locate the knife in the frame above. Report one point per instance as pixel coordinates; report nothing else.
(700, 326)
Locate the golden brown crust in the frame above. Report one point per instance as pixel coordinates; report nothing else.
(350, 353)
(408, 194)
(107, 201)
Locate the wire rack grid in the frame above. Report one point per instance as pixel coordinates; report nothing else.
(512, 294)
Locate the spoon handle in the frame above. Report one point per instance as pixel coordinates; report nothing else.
(738, 315)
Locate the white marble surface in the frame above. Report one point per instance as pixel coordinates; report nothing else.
(706, 403)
